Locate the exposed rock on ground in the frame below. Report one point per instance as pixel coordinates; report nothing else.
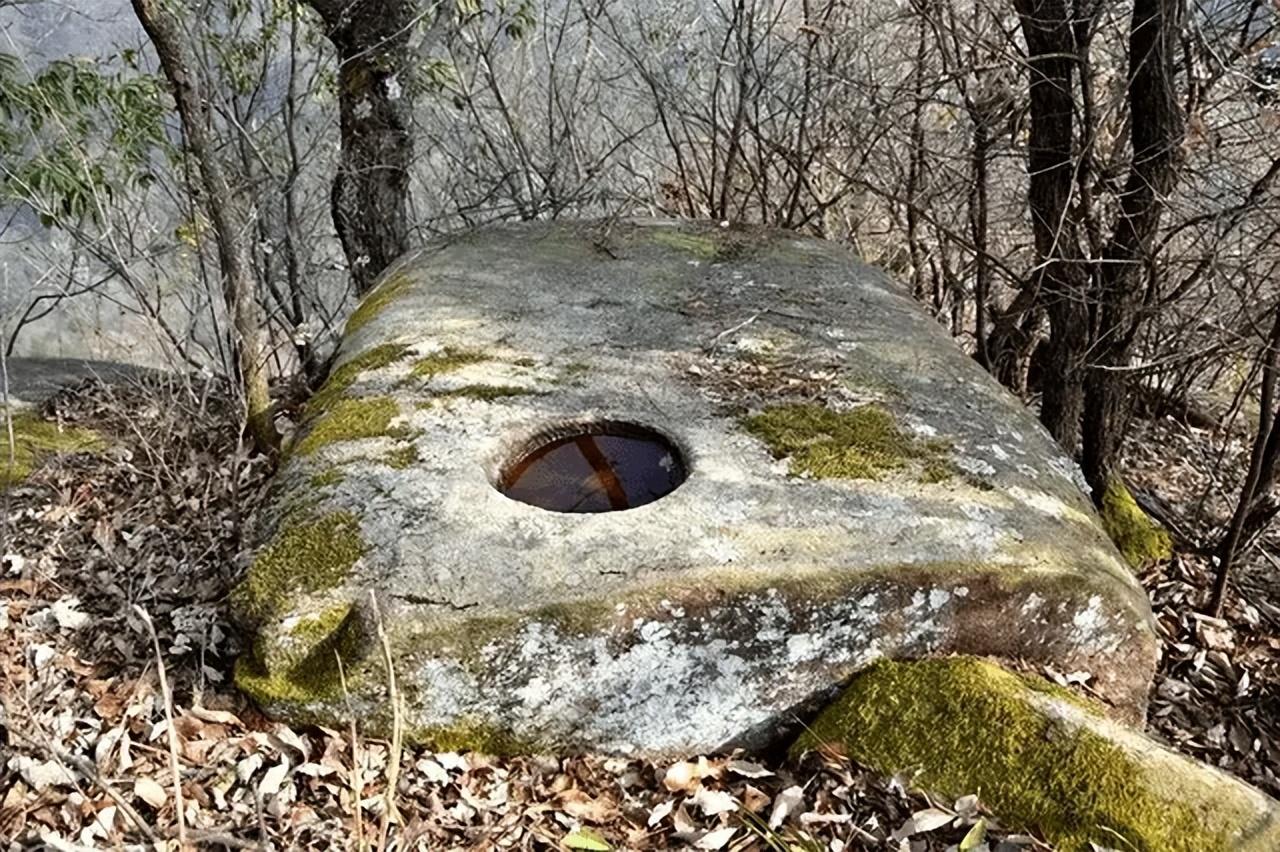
(857, 488)
(84, 731)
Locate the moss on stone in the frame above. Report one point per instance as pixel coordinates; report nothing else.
(445, 361)
(1139, 538)
(863, 443)
(695, 244)
(373, 304)
(327, 478)
(936, 470)
(350, 420)
(34, 440)
(304, 557)
(965, 726)
(468, 733)
(485, 393)
(341, 379)
(401, 457)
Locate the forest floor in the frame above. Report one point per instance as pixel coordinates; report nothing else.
(116, 655)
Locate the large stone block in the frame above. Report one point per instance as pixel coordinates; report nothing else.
(854, 488)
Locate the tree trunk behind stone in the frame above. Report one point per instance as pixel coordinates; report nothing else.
(370, 192)
(1060, 280)
(1128, 273)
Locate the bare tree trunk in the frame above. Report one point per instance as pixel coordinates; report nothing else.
(370, 196)
(979, 218)
(915, 167)
(1060, 277)
(1262, 466)
(238, 286)
(1128, 263)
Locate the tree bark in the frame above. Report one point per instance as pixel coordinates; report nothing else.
(1060, 280)
(1255, 508)
(370, 195)
(238, 285)
(1157, 132)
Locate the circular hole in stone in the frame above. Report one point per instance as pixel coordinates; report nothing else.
(604, 466)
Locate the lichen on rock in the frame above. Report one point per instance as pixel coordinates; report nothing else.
(34, 440)
(327, 478)
(1041, 760)
(1139, 538)
(862, 443)
(484, 393)
(401, 457)
(696, 244)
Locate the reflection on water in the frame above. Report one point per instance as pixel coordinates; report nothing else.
(616, 467)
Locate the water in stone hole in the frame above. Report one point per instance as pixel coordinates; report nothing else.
(596, 472)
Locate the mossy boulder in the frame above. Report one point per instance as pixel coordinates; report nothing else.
(1043, 759)
(856, 489)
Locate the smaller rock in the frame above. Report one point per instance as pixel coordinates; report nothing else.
(1041, 758)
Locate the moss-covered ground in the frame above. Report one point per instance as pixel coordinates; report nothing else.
(34, 440)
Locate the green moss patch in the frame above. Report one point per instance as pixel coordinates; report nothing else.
(471, 734)
(350, 420)
(967, 726)
(341, 379)
(34, 440)
(445, 361)
(377, 301)
(863, 443)
(694, 244)
(1139, 538)
(327, 478)
(304, 557)
(401, 457)
(485, 393)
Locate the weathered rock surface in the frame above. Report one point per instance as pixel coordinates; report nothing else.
(1041, 758)
(857, 489)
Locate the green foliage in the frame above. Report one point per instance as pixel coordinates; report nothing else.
(72, 132)
(863, 443)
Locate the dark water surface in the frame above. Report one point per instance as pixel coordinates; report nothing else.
(618, 467)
